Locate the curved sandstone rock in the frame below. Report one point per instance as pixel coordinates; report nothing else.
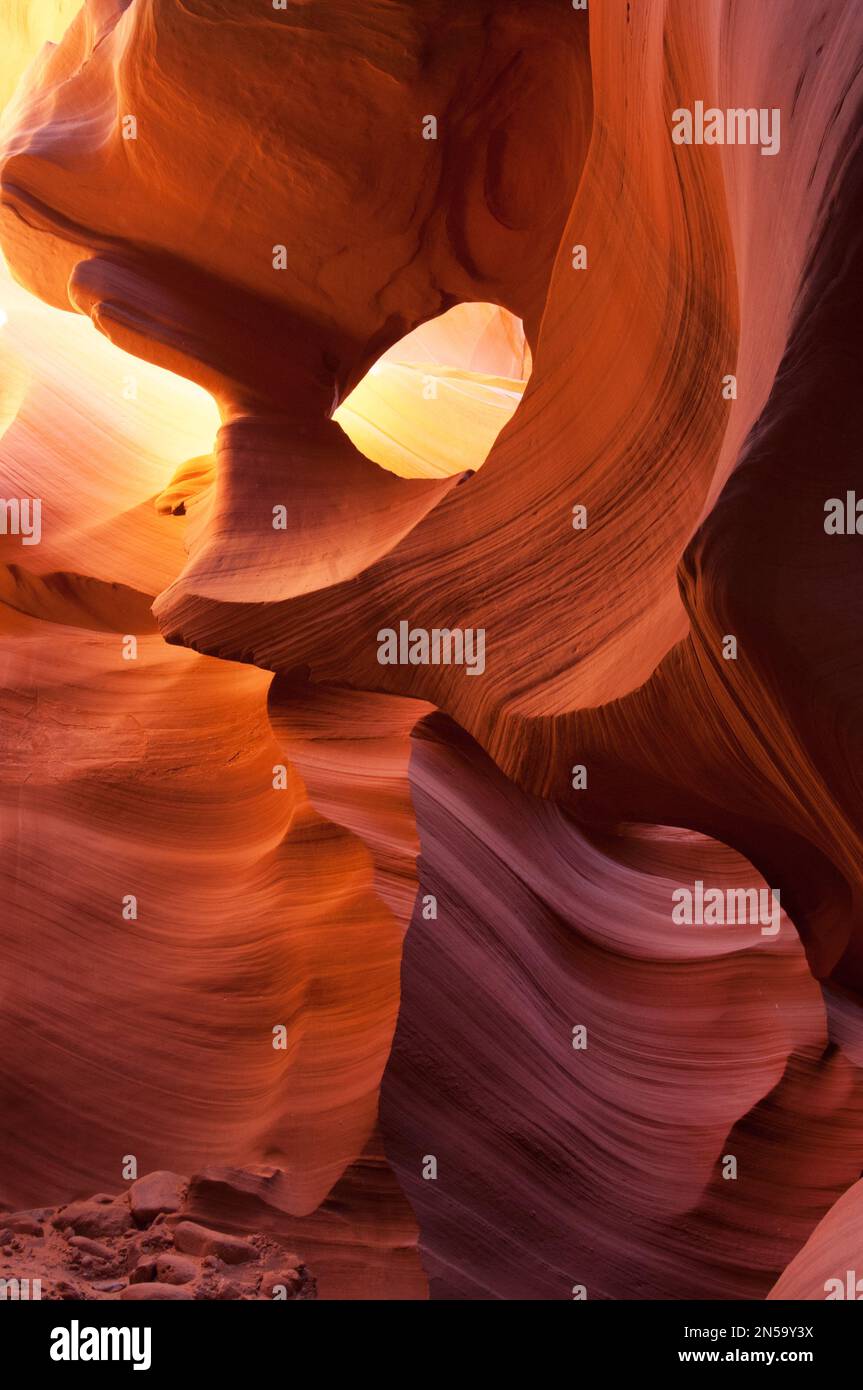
(284, 807)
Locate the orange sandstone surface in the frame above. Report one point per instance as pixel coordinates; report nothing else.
(293, 922)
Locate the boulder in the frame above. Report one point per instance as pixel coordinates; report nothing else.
(94, 1218)
(156, 1292)
(159, 1192)
(92, 1247)
(176, 1269)
(193, 1239)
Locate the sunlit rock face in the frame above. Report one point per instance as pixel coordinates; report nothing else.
(428, 652)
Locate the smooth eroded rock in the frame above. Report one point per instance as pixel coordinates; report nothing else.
(176, 1269)
(193, 1239)
(156, 1292)
(154, 1194)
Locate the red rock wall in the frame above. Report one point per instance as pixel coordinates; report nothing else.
(283, 806)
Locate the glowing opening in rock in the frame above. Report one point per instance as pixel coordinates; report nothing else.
(434, 404)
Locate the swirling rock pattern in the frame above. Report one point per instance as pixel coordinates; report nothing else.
(403, 985)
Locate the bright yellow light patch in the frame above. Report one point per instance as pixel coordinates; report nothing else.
(435, 403)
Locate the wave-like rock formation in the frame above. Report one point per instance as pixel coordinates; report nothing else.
(429, 323)
(604, 1166)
